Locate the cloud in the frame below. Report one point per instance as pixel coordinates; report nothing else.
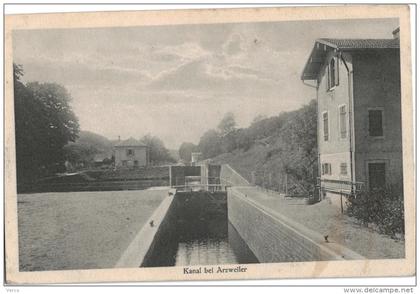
(202, 75)
(81, 74)
(234, 44)
(184, 51)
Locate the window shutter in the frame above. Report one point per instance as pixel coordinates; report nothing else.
(332, 72)
(327, 82)
(343, 168)
(343, 121)
(325, 125)
(336, 82)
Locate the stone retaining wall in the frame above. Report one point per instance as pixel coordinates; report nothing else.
(139, 251)
(274, 238)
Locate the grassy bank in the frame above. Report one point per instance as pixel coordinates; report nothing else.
(80, 230)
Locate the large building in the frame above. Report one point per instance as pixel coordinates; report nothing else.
(357, 83)
(130, 153)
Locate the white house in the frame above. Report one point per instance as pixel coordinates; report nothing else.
(131, 153)
(357, 84)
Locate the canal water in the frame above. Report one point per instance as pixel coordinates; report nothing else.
(213, 242)
(200, 235)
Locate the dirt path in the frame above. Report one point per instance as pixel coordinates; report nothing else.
(327, 219)
(80, 230)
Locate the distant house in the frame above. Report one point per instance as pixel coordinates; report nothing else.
(131, 153)
(357, 83)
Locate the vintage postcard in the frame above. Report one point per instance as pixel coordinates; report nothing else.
(209, 145)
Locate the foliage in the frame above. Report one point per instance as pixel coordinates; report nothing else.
(158, 154)
(87, 146)
(100, 143)
(185, 151)
(174, 153)
(210, 144)
(382, 207)
(270, 148)
(44, 124)
(227, 124)
(80, 154)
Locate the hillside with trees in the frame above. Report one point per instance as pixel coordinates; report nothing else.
(159, 154)
(270, 151)
(185, 151)
(88, 148)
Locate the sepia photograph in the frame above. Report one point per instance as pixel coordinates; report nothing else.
(254, 146)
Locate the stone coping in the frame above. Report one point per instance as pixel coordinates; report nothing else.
(136, 252)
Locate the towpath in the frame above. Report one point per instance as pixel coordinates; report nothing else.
(328, 220)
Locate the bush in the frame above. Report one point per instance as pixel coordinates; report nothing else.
(384, 208)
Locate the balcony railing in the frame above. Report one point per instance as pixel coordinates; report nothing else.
(339, 186)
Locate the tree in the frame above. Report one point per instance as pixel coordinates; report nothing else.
(258, 118)
(44, 123)
(185, 151)
(229, 142)
(158, 154)
(243, 139)
(227, 124)
(210, 144)
(80, 154)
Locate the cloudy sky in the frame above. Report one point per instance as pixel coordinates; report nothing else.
(176, 82)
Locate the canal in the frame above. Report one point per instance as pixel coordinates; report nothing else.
(199, 233)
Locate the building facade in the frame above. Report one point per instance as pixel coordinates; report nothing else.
(130, 153)
(358, 90)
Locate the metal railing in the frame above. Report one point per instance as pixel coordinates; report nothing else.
(200, 187)
(108, 185)
(339, 186)
(198, 183)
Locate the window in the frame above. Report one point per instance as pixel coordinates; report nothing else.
(130, 152)
(343, 169)
(326, 169)
(377, 175)
(343, 121)
(332, 74)
(376, 123)
(325, 125)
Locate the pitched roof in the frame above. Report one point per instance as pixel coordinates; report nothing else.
(361, 43)
(130, 142)
(324, 45)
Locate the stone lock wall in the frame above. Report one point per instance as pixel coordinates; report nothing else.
(273, 239)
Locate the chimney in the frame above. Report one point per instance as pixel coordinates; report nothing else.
(119, 138)
(396, 33)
